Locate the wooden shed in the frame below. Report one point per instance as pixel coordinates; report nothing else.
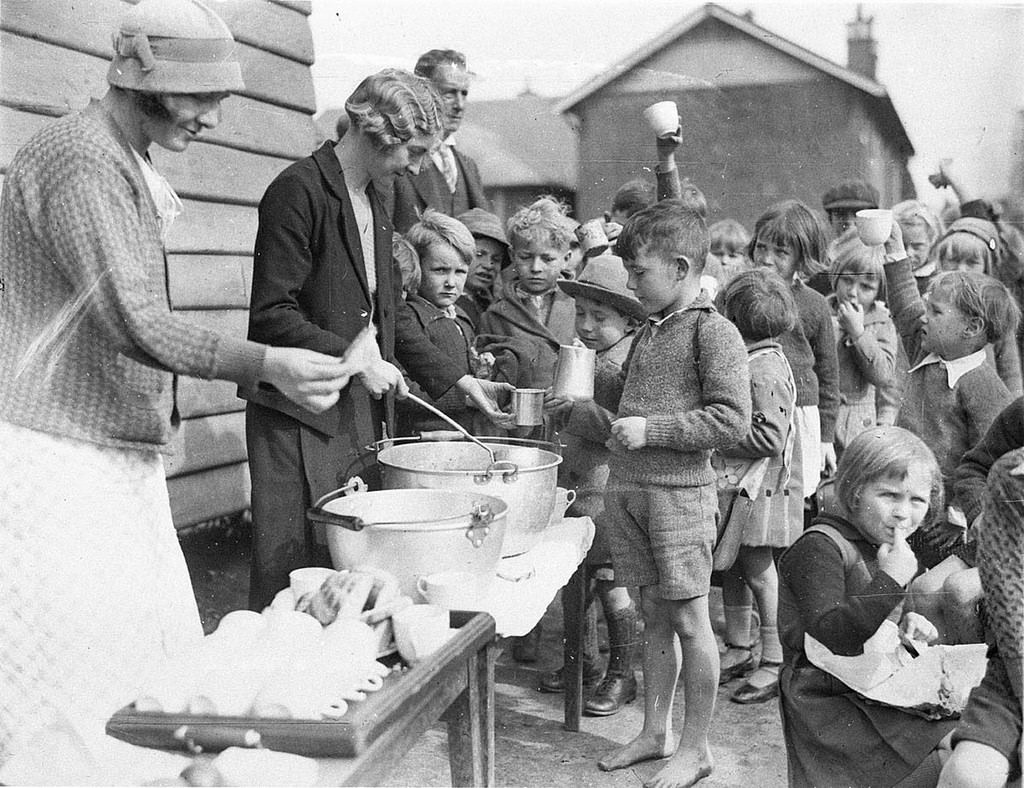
(53, 58)
(763, 118)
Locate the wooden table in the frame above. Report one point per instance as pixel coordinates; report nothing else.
(457, 685)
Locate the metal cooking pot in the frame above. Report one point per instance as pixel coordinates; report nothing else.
(525, 477)
(411, 533)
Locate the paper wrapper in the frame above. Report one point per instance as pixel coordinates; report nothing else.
(935, 684)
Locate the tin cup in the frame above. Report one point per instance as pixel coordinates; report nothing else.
(528, 407)
(592, 238)
(574, 373)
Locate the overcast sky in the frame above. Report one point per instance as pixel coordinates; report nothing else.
(955, 71)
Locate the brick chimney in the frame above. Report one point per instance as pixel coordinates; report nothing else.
(860, 53)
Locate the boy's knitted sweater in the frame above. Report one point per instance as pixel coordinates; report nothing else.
(810, 348)
(949, 420)
(86, 332)
(689, 378)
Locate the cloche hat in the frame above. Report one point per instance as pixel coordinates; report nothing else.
(604, 279)
(174, 46)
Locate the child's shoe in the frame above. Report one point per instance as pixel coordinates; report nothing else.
(754, 693)
(612, 694)
(739, 665)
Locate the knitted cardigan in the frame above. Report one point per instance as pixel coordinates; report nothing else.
(689, 378)
(810, 348)
(949, 421)
(88, 342)
(868, 361)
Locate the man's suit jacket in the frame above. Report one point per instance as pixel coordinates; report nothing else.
(309, 290)
(412, 194)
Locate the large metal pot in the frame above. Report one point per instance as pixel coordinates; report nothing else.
(525, 477)
(414, 532)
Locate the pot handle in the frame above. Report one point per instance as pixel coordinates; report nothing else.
(479, 524)
(316, 513)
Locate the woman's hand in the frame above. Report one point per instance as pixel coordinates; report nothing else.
(897, 559)
(381, 377)
(486, 396)
(310, 379)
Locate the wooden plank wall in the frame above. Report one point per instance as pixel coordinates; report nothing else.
(53, 57)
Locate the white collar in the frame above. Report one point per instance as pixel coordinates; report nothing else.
(956, 368)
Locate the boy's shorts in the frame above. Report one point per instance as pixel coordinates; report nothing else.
(662, 536)
(993, 715)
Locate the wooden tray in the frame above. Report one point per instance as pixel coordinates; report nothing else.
(346, 737)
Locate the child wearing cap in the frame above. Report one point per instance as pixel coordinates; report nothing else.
(842, 201)
(489, 261)
(607, 315)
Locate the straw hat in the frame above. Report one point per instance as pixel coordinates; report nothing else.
(604, 280)
(174, 46)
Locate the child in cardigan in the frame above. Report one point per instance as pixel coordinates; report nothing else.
(445, 248)
(607, 315)
(987, 743)
(952, 394)
(683, 391)
(867, 343)
(841, 581)
(791, 238)
(752, 477)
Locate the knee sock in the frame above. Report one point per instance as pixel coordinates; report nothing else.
(737, 625)
(622, 640)
(771, 646)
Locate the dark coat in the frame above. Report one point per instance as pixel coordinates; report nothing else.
(412, 194)
(309, 288)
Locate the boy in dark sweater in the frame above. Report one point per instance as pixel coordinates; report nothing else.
(683, 391)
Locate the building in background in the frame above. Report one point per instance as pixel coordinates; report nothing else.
(55, 55)
(763, 118)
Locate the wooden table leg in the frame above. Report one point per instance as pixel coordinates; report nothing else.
(470, 721)
(574, 597)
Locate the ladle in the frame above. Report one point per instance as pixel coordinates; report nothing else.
(423, 404)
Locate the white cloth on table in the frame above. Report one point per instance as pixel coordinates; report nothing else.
(94, 589)
(518, 604)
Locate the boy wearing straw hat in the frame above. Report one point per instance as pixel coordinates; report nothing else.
(607, 314)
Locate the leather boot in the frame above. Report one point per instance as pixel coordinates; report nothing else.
(611, 695)
(555, 680)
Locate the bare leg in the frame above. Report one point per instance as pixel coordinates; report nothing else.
(763, 579)
(691, 762)
(662, 658)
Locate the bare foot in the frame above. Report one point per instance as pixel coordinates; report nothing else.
(686, 768)
(643, 748)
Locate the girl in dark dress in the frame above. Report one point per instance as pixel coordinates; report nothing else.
(839, 583)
